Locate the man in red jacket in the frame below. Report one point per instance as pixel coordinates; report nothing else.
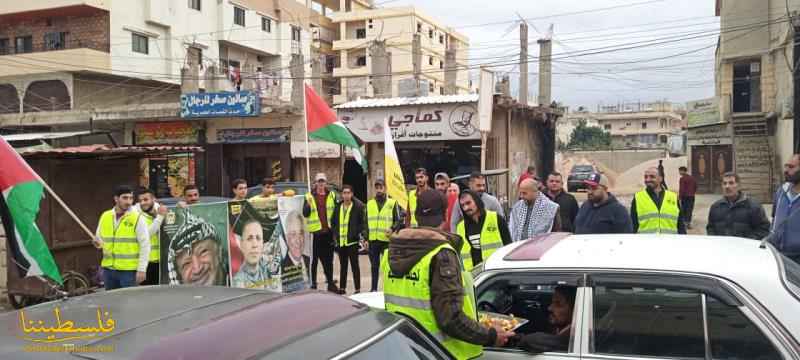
(686, 192)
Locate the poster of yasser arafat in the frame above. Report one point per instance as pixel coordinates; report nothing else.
(194, 245)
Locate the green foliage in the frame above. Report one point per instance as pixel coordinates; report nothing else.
(589, 138)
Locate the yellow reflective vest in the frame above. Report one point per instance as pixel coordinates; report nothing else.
(313, 221)
(379, 221)
(120, 247)
(412, 207)
(344, 224)
(490, 239)
(155, 252)
(410, 295)
(653, 220)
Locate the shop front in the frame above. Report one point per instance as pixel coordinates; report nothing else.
(168, 174)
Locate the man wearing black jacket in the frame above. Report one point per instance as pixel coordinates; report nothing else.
(736, 214)
(602, 213)
(349, 231)
(567, 205)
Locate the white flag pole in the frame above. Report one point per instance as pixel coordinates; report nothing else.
(308, 151)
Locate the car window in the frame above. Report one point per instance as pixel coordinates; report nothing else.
(734, 336)
(403, 343)
(638, 321)
(791, 275)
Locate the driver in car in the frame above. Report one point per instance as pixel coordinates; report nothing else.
(560, 309)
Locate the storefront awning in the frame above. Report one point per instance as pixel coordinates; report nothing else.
(44, 136)
(100, 150)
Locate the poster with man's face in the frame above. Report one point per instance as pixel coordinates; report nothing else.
(194, 246)
(257, 245)
(295, 274)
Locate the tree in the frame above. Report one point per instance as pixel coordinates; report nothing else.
(589, 138)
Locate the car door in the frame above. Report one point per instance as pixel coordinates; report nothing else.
(527, 295)
(669, 316)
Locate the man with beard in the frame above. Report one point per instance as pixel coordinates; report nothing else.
(153, 215)
(477, 184)
(561, 311)
(317, 209)
(483, 231)
(421, 177)
(254, 273)
(654, 210)
(737, 214)
(601, 213)
(123, 237)
(383, 219)
(567, 205)
(293, 267)
(533, 213)
(195, 254)
(786, 221)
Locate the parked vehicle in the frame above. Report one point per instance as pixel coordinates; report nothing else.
(648, 297)
(577, 175)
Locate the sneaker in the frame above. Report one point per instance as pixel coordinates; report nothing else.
(342, 292)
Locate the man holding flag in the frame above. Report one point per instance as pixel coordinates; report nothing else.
(22, 191)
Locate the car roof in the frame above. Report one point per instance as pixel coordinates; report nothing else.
(169, 322)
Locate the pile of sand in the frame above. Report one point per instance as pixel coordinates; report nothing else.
(632, 180)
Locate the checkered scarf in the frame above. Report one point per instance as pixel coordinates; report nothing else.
(193, 229)
(541, 220)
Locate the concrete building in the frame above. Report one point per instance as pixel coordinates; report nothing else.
(631, 125)
(757, 128)
(567, 125)
(375, 42)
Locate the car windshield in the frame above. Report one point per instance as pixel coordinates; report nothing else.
(582, 168)
(792, 275)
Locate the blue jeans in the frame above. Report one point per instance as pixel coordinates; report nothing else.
(115, 279)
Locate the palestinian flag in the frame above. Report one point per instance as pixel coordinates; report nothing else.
(322, 124)
(19, 206)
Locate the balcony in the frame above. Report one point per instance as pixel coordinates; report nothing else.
(52, 61)
(52, 7)
(349, 44)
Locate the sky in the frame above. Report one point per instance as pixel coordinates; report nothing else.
(604, 51)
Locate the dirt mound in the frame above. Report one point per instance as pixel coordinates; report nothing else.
(632, 180)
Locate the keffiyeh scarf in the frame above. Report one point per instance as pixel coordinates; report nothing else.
(542, 216)
(193, 229)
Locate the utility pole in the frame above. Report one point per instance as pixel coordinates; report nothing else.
(381, 69)
(416, 54)
(523, 63)
(545, 70)
(450, 67)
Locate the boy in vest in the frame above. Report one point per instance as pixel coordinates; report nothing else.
(153, 215)
(122, 236)
(655, 210)
(383, 218)
(423, 279)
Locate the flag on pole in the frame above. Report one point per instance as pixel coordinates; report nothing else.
(322, 124)
(19, 206)
(395, 182)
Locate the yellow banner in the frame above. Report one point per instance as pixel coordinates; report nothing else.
(395, 182)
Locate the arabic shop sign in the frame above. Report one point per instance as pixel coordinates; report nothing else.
(223, 104)
(702, 112)
(166, 133)
(243, 136)
(434, 122)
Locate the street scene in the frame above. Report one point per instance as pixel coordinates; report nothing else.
(402, 179)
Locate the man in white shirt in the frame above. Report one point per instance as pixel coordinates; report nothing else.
(153, 215)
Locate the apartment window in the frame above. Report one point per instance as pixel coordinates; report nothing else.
(55, 40)
(644, 124)
(441, 91)
(361, 61)
(140, 43)
(441, 64)
(194, 4)
(266, 24)
(361, 33)
(295, 33)
(430, 60)
(663, 123)
(430, 33)
(607, 127)
(627, 124)
(431, 87)
(5, 47)
(663, 139)
(370, 23)
(23, 44)
(747, 86)
(238, 16)
(419, 27)
(441, 39)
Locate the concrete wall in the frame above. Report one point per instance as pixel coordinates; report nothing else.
(92, 92)
(618, 161)
(749, 18)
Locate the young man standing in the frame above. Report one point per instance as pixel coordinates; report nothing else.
(421, 177)
(319, 205)
(383, 219)
(687, 188)
(153, 215)
(601, 213)
(483, 231)
(349, 230)
(736, 214)
(123, 237)
(567, 205)
(786, 212)
(654, 209)
(477, 183)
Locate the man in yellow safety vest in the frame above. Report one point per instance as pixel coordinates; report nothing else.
(319, 205)
(349, 232)
(122, 236)
(421, 177)
(423, 278)
(483, 231)
(153, 215)
(654, 209)
(383, 219)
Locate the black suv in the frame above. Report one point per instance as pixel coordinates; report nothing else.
(577, 175)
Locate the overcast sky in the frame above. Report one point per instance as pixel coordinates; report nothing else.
(679, 68)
